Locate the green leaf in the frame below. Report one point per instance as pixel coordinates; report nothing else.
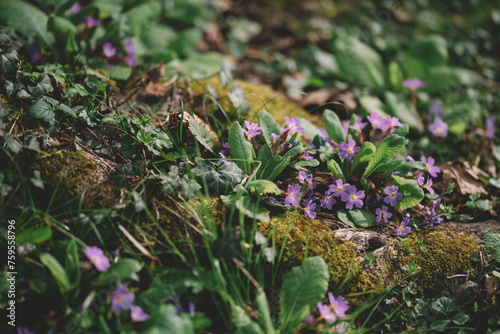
(305, 163)
(304, 286)
(389, 167)
(440, 325)
(269, 126)
(9, 61)
(460, 319)
(496, 152)
(166, 321)
(202, 134)
(118, 271)
(276, 171)
(495, 182)
(362, 218)
(310, 130)
(264, 313)
(407, 166)
(431, 50)
(371, 104)
(362, 158)
(385, 152)
(45, 109)
(35, 236)
(139, 16)
(333, 126)
(238, 99)
(119, 72)
(484, 204)
(65, 32)
(399, 106)
(492, 241)
(263, 187)
(198, 67)
(221, 178)
(334, 167)
(395, 76)
(439, 78)
(402, 130)
(57, 271)
(41, 87)
(444, 305)
(72, 264)
(241, 150)
(252, 209)
(346, 218)
(358, 62)
(242, 321)
(412, 193)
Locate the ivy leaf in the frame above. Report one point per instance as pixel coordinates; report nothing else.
(40, 87)
(46, 109)
(9, 61)
(269, 126)
(219, 179)
(460, 318)
(240, 148)
(386, 151)
(492, 241)
(202, 134)
(444, 305)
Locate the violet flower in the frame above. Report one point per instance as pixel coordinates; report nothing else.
(137, 314)
(275, 136)
(293, 196)
(358, 125)
(439, 128)
(302, 176)
(393, 123)
(309, 208)
(36, 54)
(349, 149)
(490, 127)
(252, 130)
(326, 313)
(121, 300)
(382, 214)
(108, 50)
(91, 22)
(430, 168)
(338, 188)
(393, 196)
(328, 201)
(352, 197)
(420, 179)
(403, 228)
(309, 319)
(435, 112)
(131, 61)
(293, 125)
(77, 7)
(413, 84)
(96, 255)
(428, 186)
(377, 122)
(307, 157)
(191, 308)
(129, 45)
(339, 304)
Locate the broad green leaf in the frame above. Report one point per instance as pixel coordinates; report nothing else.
(432, 50)
(334, 167)
(389, 167)
(310, 130)
(72, 264)
(226, 75)
(185, 42)
(385, 152)
(496, 152)
(460, 319)
(362, 158)
(346, 218)
(57, 271)
(358, 62)
(402, 130)
(362, 218)
(412, 193)
(241, 150)
(45, 109)
(238, 99)
(371, 104)
(293, 151)
(166, 321)
(276, 171)
(220, 179)
(397, 105)
(439, 78)
(407, 166)
(138, 17)
(119, 72)
(9, 61)
(264, 312)
(35, 236)
(268, 166)
(440, 325)
(395, 76)
(269, 126)
(40, 87)
(492, 241)
(263, 187)
(305, 163)
(252, 209)
(333, 126)
(484, 204)
(202, 134)
(242, 321)
(64, 31)
(304, 285)
(118, 271)
(197, 67)
(444, 305)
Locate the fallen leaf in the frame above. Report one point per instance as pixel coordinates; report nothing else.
(466, 176)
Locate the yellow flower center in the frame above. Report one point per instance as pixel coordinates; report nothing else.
(427, 168)
(291, 195)
(400, 227)
(353, 197)
(393, 195)
(424, 186)
(349, 150)
(438, 130)
(119, 298)
(327, 198)
(339, 189)
(382, 214)
(249, 137)
(376, 123)
(292, 126)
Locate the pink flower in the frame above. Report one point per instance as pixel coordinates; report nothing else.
(377, 122)
(382, 214)
(137, 314)
(352, 197)
(121, 299)
(275, 137)
(439, 128)
(339, 304)
(358, 125)
(77, 7)
(393, 123)
(326, 313)
(96, 255)
(108, 50)
(328, 201)
(91, 22)
(428, 186)
(403, 228)
(393, 196)
(413, 84)
(253, 130)
(338, 188)
(309, 209)
(431, 169)
(420, 179)
(490, 127)
(293, 196)
(348, 149)
(293, 125)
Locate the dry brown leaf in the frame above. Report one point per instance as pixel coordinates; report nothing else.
(326, 95)
(153, 91)
(466, 176)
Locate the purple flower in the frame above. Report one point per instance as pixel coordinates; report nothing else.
(309, 319)
(490, 127)
(302, 176)
(409, 158)
(36, 54)
(393, 196)
(428, 186)
(96, 255)
(431, 169)
(413, 84)
(275, 136)
(352, 197)
(326, 313)
(293, 196)
(24, 330)
(439, 128)
(348, 149)
(137, 314)
(377, 122)
(339, 304)
(431, 217)
(382, 214)
(121, 300)
(435, 112)
(358, 124)
(191, 309)
(328, 201)
(252, 130)
(131, 61)
(91, 22)
(403, 228)
(224, 149)
(420, 179)
(393, 123)
(338, 188)
(324, 134)
(108, 50)
(129, 45)
(293, 125)
(309, 208)
(77, 7)
(307, 157)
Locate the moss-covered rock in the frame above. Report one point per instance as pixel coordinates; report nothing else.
(314, 237)
(260, 97)
(447, 253)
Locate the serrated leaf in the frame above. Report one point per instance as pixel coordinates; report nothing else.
(407, 166)
(57, 271)
(304, 286)
(492, 241)
(385, 152)
(412, 193)
(202, 134)
(362, 218)
(305, 163)
(41, 87)
(118, 271)
(333, 126)
(269, 126)
(241, 150)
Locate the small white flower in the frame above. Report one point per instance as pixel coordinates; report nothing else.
(270, 253)
(259, 238)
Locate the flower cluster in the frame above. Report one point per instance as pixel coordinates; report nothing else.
(252, 130)
(383, 124)
(431, 217)
(331, 312)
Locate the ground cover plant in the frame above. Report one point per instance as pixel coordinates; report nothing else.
(219, 167)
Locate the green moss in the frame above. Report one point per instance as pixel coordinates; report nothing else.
(260, 97)
(340, 255)
(447, 254)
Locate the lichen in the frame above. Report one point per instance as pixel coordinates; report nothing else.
(260, 97)
(340, 256)
(447, 254)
